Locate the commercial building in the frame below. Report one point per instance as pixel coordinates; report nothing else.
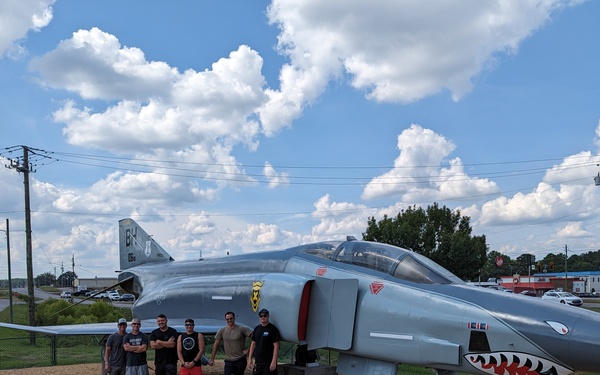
(95, 283)
(575, 282)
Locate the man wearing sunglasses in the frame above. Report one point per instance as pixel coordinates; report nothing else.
(190, 348)
(264, 346)
(135, 344)
(114, 354)
(234, 344)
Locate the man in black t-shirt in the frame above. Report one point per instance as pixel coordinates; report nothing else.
(264, 346)
(164, 341)
(135, 344)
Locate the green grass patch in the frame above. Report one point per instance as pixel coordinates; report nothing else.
(50, 289)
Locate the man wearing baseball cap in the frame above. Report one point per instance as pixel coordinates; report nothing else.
(135, 344)
(114, 354)
(264, 346)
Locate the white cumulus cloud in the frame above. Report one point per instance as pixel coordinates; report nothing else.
(17, 18)
(419, 174)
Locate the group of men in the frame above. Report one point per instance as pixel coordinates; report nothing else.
(125, 353)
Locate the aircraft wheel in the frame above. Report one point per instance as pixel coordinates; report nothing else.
(304, 356)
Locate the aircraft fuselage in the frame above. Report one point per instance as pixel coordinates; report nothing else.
(449, 326)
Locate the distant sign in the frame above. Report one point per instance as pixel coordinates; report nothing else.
(499, 261)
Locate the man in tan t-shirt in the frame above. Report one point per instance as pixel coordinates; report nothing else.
(234, 344)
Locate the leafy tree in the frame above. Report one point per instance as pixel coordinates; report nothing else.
(438, 233)
(589, 261)
(66, 279)
(45, 279)
(579, 263)
(592, 257)
(522, 265)
(491, 270)
(554, 262)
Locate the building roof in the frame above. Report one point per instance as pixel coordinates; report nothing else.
(569, 273)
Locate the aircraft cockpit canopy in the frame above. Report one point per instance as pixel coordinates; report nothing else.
(400, 263)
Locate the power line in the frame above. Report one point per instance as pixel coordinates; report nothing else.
(547, 160)
(42, 157)
(185, 169)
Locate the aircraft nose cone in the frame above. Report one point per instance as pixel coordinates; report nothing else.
(584, 343)
(570, 335)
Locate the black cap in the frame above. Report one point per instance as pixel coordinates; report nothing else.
(263, 311)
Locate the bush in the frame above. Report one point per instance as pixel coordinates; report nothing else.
(61, 312)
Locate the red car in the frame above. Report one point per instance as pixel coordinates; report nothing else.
(529, 292)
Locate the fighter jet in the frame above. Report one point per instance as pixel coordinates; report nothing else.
(377, 305)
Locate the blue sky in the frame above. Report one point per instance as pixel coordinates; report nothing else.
(242, 126)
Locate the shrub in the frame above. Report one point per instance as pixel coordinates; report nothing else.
(60, 312)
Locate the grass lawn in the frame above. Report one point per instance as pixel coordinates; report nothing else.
(50, 289)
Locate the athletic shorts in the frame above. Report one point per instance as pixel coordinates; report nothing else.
(196, 370)
(137, 370)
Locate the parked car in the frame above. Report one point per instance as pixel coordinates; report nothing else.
(65, 294)
(529, 292)
(102, 295)
(90, 293)
(80, 293)
(127, 297)
(500, 288)
(585, 295)
(113, 295)
(563, 297)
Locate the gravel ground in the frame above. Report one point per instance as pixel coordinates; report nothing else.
(94, 369)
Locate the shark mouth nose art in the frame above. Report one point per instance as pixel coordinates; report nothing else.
(514, 363)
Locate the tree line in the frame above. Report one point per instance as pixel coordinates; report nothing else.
(66, 279)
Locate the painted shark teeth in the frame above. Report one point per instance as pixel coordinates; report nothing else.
(514, 363)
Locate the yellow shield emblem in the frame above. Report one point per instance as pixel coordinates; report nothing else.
(255, 295)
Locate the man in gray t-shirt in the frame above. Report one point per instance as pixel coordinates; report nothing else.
(114, 354)
(234, 344)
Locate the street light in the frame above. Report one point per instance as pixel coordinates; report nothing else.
(10, 293)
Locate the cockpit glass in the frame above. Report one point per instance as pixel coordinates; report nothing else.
(411, 270)
(321, 249)
(401, 263)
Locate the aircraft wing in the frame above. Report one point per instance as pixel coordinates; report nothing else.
(204, 326)
(74, 329)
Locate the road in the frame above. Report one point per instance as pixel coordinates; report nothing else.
(42, 295)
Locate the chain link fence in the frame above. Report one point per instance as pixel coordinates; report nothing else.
(51, 350)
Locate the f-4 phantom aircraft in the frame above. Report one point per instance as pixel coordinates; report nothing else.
(377, 305)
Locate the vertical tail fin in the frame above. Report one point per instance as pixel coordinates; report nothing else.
(137, 247)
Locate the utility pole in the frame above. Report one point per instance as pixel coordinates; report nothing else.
(73, 267)
(10, 292)
(566, 273)
(26, 168)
